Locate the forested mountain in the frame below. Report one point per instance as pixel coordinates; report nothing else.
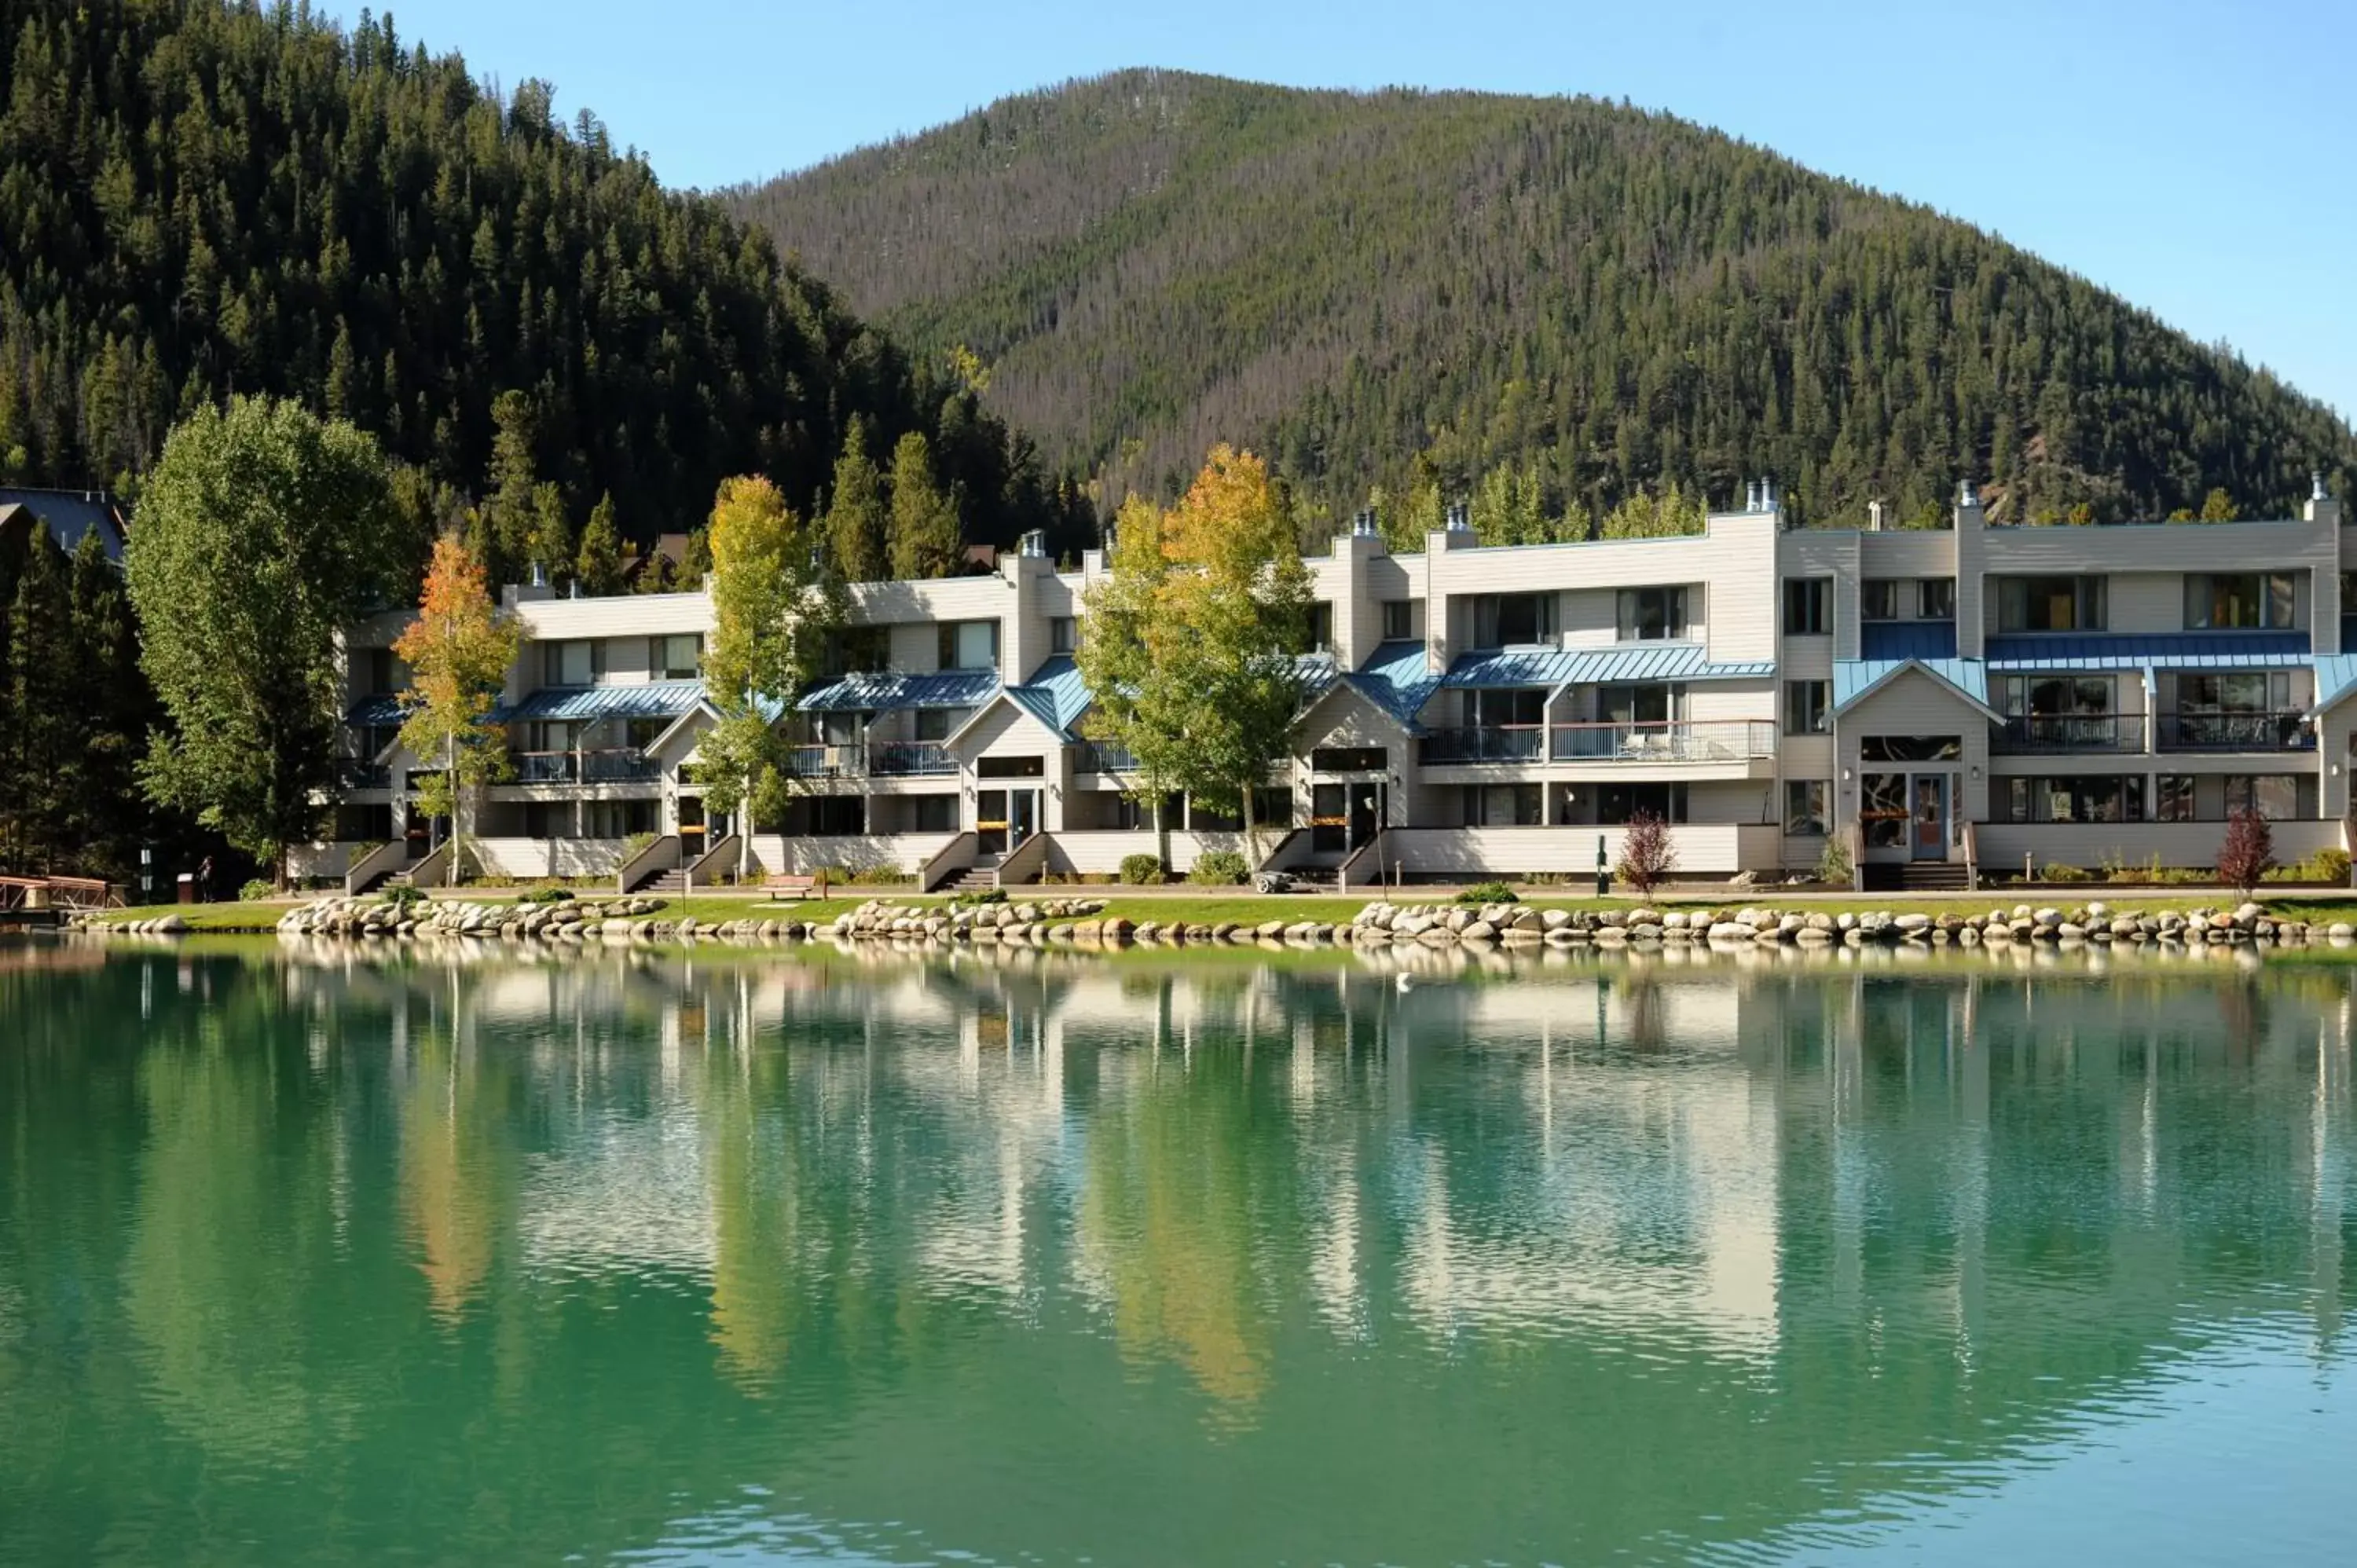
(1543, 303)
(197, 199)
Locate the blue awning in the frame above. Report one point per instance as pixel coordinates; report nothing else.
(1907, 639)
(1853, 678)
(584, 705)
(882, 691)
(2162, 650)
(1623, 664)
(1397, 679)
(1055, 695)
(371, 713)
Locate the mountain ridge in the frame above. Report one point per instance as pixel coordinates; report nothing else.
(1419, 291)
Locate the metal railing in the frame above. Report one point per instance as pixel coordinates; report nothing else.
(826, 761)
(353, 774)
(1107, 757)
(2283, 731)
(2072, 732)
(909, 758)
(1497, 743)
(1681, 740)
(621, 766)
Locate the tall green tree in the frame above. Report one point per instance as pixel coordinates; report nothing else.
(597, 565)
(42, 753)
(263, 532)
(113, 709)
(774, 608)
(927, 539)
(510, 515)
(457, 650)
(1137, 706)
(856, 516)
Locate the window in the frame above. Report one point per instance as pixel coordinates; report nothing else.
(549, 734)
(1653, 615)
(386, 674)
(576, 663)
(1935, 598)
(2274, 796)
(1063, 635)
(1399, 620)
(1204, 819)
(2174, 799)
(2054, 696)
(1805, 807)
(1878, 599)
(1616, 803)
(679, 656)
(1273, 807)
(641, 733)
(2221, 601)
(1516, 708)
(1808, 606)
(935, 723)
(1349, 760)
(2089, 798)
(933, 813)
(969, 645)
(1808, 708)
(1654, 704)
(1011, 768)
(2349, 593)
(1911, 748)
(2243, 692)
(859, 651)
(1322, 625)
(2050, 604)
(617, 819)
(1503, 806)
(1883, 813)
(836, 816)
(1512, 620)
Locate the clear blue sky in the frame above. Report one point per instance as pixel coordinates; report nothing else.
(2197, 156)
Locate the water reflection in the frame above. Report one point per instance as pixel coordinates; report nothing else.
(882, 1257)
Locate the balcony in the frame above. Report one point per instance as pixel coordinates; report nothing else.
(2280, 731)
(1497, 743)
(827, 761)
(908, 760)
(1698, 740)
(1107, 757)
(621, 766)
(2026, 732)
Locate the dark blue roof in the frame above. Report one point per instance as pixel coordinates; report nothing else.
(882, 691)
(1907, 639)
(69, 514)
(2129, 650)
(383, 709)
(624, 700)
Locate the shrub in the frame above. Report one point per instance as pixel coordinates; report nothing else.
(1489, 893)
(1833, 863)
(1142, 870)
(1219, 868)
(636, 845)
(2248, 852)
(2329, 866)
(979, 896)
(255, 891)
(2055, 871)
(1647, 853)
(546, 896)
(402, 895)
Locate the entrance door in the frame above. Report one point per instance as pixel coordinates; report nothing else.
(990, 821)
(1366, 812)
(1930, 815)
(1022, 816)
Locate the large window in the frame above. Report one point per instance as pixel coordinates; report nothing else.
(2223, 601)
(2050, 604)
(935, 723)
(1935, 598)
(1399, 620)
(859, 651)
(2239, 692)
(1011, 768)
(1322, 625)
(1063, 633)
(1503, 806)
(2274, 796)
(1910, 747)
(1808, 708)
(1808, 606)
(1805, 799)
(1883, 813)
(2089, 798)
(1877, 599)
(1510, 620)
(1648, 704)
(1653, 615)
(969, 645)
(1522, 707)
(2173, 798)
(679, 656)
(1349, 760)
(581, 662)
(933, 813)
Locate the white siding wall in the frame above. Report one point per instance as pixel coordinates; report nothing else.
(1703, 849)
(863, 852)
(546, 858)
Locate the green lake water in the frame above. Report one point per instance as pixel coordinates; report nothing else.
(309, 1255)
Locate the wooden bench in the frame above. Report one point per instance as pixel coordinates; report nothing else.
(778, 885)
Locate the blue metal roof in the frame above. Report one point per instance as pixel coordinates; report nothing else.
(1055, 695)
(67, 515)
(385, 709)
(1907, 639)
(1621, 664)
(2336, 675)
(634, 699)
(1853, 678)
(2167, 650)
(881, 691)
(1396, 679)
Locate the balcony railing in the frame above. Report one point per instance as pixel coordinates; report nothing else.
(1107, 757)
(1497, 743)
(909, 758)
(353, 774)
(2072, 732)
(1691, 740)
(827, 761)
(2286, 731)
(621, 766)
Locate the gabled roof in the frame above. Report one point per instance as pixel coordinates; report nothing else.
(630, 700)
(68, 514)
(882, 691)
(1396, 678)
(1857, 679)
(2134, 649)
(1907, 639)
(2336, 677)
(381, 709)
(1055, 695)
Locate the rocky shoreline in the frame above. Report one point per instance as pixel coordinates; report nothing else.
(1381, 924)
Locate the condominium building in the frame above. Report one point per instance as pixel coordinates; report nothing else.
(1931, 700)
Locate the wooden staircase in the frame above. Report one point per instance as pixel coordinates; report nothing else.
(979, 878)
(1920, 876)
(671, 883)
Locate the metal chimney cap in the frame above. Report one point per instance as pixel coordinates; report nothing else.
(539, 578)
(1458, 520)
(2319, 493)
(1965, 494)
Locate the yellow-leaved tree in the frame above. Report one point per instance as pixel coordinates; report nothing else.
(457, 650)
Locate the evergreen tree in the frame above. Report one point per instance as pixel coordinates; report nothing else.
(926, 539)
(854, 527)
(511, 512)
(114, 708)
(43, 755)
(598, 565)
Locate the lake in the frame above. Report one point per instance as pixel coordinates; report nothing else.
(312, 1253)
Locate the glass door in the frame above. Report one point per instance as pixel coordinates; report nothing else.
(1022, 816)
(990, 821)
(1931, 814)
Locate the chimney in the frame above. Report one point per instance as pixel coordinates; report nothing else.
(1459, 521)
(1032, 546)
(1875, 522)
(534, 588)
(539, 575)
(1363, 524)
(2322, 506)
(1750, 495)
(1767, 495)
